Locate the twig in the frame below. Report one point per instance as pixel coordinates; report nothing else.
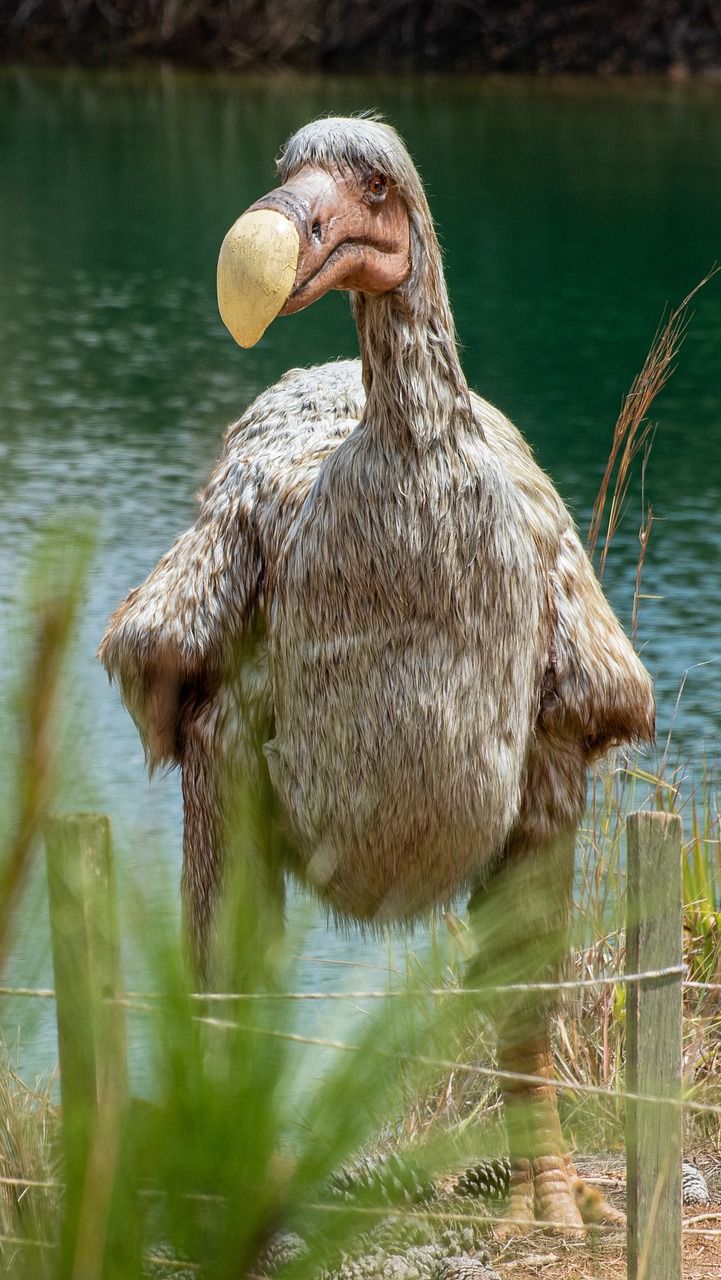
(530, 1260)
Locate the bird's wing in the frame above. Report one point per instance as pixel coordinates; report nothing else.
(177, 635)
(597, 686)
(595, 689)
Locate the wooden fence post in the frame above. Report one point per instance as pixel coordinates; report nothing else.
(654, 1048)
(91, 1029)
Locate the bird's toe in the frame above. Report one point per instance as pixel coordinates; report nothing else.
(555, 1200)
(520, 1211)
(593, 1208)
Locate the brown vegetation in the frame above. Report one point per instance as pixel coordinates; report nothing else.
(475, 35)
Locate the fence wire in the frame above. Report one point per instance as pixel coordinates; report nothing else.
(228, 997)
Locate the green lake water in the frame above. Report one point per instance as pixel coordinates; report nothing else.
(570, 213)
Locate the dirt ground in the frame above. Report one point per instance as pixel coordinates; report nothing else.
(544, 1260)
(603, 1257)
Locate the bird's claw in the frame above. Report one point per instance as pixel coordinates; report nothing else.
(547, 1192)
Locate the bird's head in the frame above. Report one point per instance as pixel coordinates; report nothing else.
(349, 212)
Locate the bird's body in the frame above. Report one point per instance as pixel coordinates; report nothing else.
(394, 599)
(394, 610)
(383, 598)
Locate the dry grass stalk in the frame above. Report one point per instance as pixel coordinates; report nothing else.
(632, 431)
(27, 1151)
(644, 535)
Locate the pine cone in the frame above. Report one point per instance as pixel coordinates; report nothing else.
(695, 1187)
(459, 1238)
(464, 1268)
(387, 1176)
(285, 1247)
(160, 1263)
(489, 1179)
(364, 1268)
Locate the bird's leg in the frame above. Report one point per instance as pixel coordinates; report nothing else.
(524, 914)
(541, 886)
(541, 1186)
(545, 1185)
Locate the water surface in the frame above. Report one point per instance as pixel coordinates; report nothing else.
(570, 215)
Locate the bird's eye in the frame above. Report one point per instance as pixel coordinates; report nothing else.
(377, 184)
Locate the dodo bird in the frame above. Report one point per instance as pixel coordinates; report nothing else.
(383, 584)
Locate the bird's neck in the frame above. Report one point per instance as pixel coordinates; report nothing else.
(415, 387)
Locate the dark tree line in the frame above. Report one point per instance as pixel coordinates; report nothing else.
(609, 36)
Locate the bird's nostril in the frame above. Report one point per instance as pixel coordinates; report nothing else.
(316, 231)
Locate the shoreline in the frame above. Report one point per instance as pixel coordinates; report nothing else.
(348, 37)
(635, 86)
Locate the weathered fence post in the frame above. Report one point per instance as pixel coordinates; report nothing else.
(91, 1029)
(654, 1049)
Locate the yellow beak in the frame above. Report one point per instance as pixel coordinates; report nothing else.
(256, 272)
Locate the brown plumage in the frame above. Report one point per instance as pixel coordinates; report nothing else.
(433, 664)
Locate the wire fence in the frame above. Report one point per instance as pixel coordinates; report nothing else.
(230, 997)
(135, 1002)
(660, 973)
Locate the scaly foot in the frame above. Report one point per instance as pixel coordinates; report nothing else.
(541, 1192)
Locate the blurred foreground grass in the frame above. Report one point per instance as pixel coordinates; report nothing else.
(246, 1117)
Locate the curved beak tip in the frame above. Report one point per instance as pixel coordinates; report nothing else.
(256, 272)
